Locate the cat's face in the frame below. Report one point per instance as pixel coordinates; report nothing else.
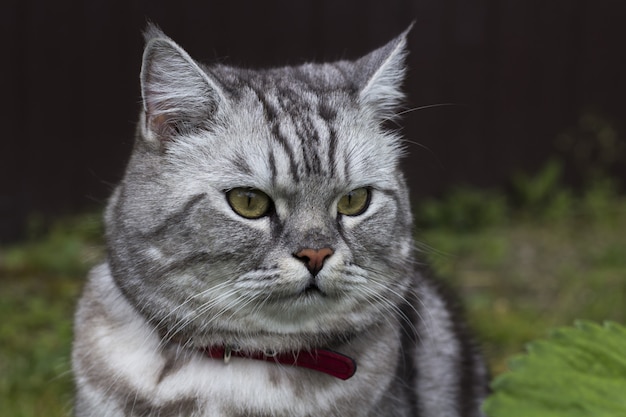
(263, 208)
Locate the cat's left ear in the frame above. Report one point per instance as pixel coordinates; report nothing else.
(381, 73)
(178, 96)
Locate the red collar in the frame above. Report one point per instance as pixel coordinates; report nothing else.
(322, 360)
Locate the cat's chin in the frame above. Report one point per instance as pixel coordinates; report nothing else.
(311, 296)
(270, 341)
(277, 334)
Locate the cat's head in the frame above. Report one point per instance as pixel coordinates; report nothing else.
(263, 207)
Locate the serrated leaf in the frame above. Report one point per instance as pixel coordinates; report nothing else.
(578, 371)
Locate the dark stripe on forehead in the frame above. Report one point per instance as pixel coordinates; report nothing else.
(308, 127)
(272, 163)
(329, 114)
(296, 110)
(241, 164)
(332, 150)
(292, 98)
(297, 101)
(309, 137)
(292, 111)
(272, 117)
(326, 112)
(284, 143)
(299, 108)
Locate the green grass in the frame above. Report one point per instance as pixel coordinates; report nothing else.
(40, 281)
(519, 281)
(525, 262)
(539, 257)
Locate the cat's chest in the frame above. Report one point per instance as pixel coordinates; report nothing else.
(137, 375)
(198, 386)
(195, 385)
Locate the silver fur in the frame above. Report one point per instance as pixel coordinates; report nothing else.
(184, 271)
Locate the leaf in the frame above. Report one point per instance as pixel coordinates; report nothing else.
(578, 371)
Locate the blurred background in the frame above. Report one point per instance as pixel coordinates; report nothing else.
(515, 123)
(499, 86)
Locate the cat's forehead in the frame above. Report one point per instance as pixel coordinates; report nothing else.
(288, 137)
(291, 94)
(294, 128)
(308, 152)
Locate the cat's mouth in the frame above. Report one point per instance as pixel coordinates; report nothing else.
(308, 295)
(312, 289)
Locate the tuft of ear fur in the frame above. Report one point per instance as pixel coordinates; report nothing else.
(381, 73)
(178, 96)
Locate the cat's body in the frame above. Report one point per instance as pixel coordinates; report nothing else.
(265, 210)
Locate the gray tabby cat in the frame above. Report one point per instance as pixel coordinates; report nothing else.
(260, 257)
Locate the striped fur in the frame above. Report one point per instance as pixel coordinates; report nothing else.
(185, 271)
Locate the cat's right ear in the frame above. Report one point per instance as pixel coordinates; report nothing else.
(178, 96)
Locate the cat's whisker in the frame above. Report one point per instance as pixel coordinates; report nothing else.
(209, 305)
(428, 106)
(192, 317)
(426, 321)
(395, 308)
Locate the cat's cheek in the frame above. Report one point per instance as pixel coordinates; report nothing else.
(406, 247)
(154, 254)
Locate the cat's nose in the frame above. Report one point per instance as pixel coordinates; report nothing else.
(314, 258)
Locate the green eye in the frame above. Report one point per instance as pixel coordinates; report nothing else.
(354, 203)
(249, 202)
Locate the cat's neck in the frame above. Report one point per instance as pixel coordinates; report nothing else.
(321, 360)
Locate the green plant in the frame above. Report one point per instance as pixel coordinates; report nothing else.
(577, 371)
(542, 196)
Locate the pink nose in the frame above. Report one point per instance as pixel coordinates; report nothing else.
(314, 258)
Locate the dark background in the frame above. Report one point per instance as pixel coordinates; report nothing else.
(518, 73)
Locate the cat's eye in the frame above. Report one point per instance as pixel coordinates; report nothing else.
(249, 202)
(354, 203)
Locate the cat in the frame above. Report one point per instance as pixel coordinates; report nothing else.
(260, 254)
